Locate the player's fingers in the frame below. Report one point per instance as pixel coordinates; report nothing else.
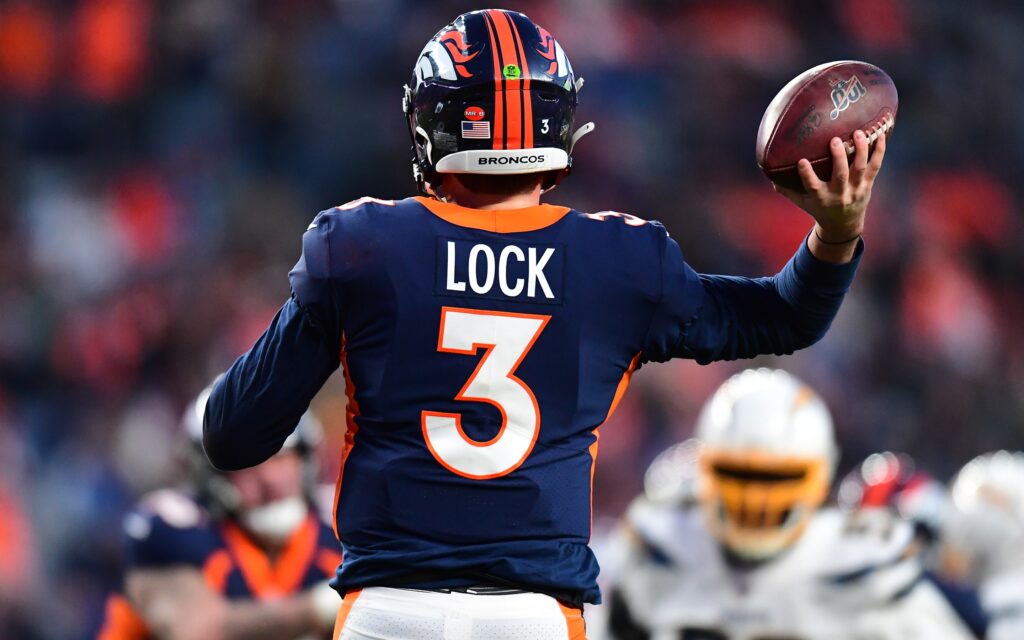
(840, 166)
(812, 183)
(860, 157)
(877, 155)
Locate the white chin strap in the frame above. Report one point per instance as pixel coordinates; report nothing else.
(276, 521)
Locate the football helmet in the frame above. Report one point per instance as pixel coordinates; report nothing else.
(213, 487)
(988, 522)
(766, 463)
(892, 480)
(492, 93)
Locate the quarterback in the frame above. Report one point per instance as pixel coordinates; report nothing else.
(747, 554)
(485, 337)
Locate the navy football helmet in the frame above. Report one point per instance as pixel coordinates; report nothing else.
(492, 93)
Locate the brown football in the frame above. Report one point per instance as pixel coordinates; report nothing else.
(832, 99)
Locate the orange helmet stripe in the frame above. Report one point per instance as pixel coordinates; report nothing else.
(499, 97)
(513, 108)
(527, 119)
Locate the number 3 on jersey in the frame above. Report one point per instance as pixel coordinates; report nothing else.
(506, 339)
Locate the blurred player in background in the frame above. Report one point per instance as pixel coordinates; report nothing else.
(892, 481)
(888, 480)
(486, 336)
(755, 556)
(242, 555)
(984, 539)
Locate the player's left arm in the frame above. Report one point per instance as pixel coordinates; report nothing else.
(258, 402)
(710, 317)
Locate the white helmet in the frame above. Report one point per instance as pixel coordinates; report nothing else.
(767, 461)
(673, 475)
(988, 522)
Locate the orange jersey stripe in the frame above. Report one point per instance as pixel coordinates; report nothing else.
(620, 391)
(122, 622)
(293, 563)
(351, 428)
(216, 570)
(268, 579)
(343, 611)
(496, 220)
(577, 629)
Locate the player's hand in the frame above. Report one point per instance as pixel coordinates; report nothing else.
(839, 205)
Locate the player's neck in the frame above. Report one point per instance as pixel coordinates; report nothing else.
(456, 193)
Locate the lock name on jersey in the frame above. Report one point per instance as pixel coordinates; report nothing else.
(520, 271)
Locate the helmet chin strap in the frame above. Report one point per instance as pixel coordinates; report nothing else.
(274, 522)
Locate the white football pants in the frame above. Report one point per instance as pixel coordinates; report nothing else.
(380, 613)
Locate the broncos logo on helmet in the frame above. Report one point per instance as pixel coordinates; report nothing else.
(559, 66)
(445, 57)
(514, 79)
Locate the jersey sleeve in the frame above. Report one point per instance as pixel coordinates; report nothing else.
(316, 279)
(257, 403)
(711, 317)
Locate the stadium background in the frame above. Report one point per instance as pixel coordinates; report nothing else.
(159, 162)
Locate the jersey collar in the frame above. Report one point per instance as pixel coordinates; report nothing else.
(496, 220)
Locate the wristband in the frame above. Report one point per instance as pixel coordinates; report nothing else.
(824, 241)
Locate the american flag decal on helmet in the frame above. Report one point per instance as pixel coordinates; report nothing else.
(476, 129)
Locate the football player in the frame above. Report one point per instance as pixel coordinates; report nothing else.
(755, 556)
(486, 336)
(239, 555)
(984, 538)
(891, 481)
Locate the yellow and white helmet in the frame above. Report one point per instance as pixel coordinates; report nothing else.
(767, 461)
(988, 520)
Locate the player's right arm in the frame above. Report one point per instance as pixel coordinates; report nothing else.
(255, 406)
(177, 604)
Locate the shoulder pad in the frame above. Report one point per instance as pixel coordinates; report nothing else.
(626, 218)
(168, 528)
(870, 552)
(176, 508)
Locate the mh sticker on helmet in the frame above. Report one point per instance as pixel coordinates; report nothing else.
(511, 71)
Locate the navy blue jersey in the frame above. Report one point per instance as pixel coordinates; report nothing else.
(171, 530)
(483, 349)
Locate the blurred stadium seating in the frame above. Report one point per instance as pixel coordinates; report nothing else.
(159, 162)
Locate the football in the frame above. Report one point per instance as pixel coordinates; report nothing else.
(832, 99)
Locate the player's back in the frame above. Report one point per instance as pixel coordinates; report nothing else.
(483, 350)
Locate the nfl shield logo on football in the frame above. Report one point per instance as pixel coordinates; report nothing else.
(845, 93)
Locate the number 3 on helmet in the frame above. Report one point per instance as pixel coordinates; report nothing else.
(492, 93)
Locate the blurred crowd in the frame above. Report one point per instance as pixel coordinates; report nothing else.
(159, 162)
